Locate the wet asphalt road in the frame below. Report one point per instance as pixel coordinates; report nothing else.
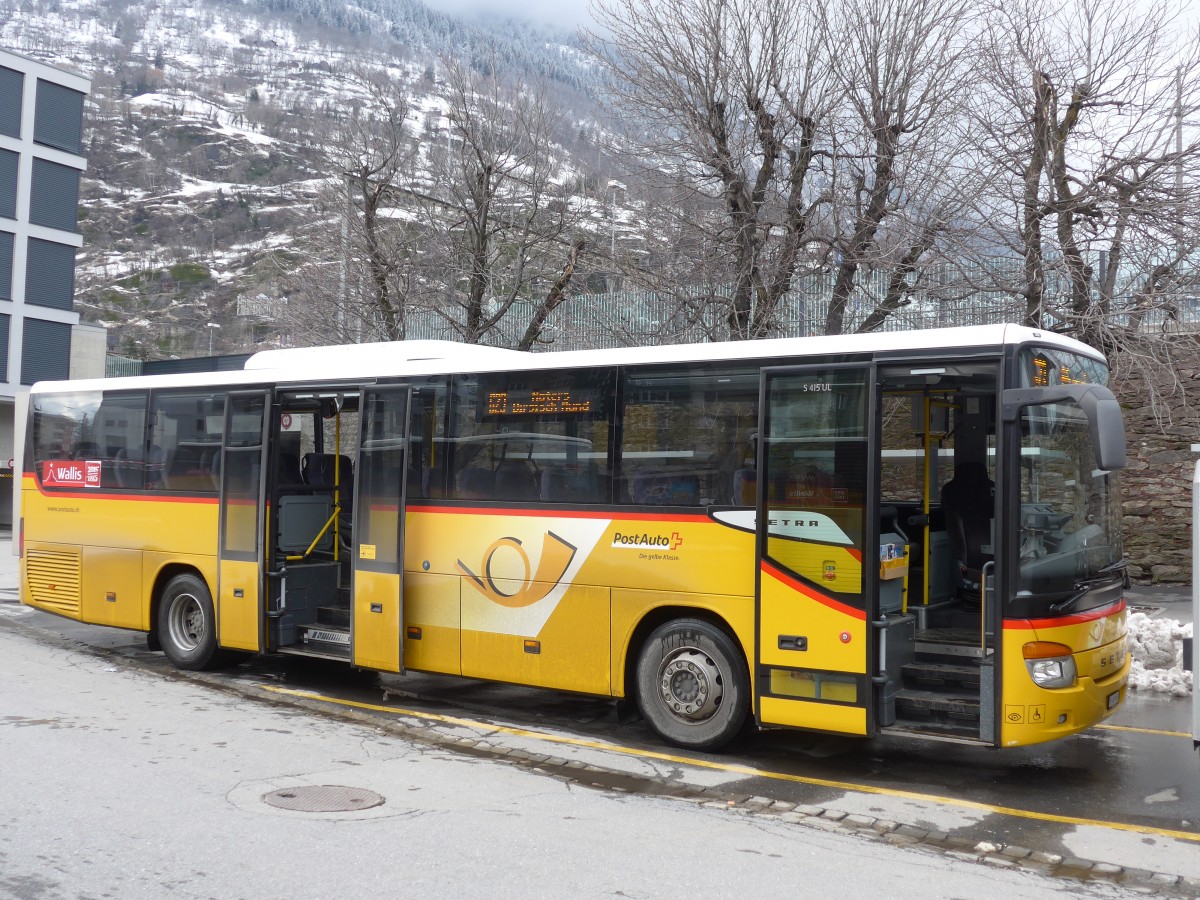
(1145, 777)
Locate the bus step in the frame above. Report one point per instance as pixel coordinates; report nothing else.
(954, 642)
(326, 639)
(336, 616)
(940, 674)
(937, 706)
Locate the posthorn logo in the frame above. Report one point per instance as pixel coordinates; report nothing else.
(646, 540)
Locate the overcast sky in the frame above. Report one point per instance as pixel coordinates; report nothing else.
(564, 13)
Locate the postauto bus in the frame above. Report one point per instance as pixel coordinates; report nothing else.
(910, 533)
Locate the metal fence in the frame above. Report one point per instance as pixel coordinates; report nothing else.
(633, 318)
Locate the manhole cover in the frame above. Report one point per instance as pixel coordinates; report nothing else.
(323, 798)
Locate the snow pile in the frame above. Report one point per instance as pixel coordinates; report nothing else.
(1157, 648)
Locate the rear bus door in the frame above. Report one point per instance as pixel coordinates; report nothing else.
(816, 505)
(240, 578)
(377, 610)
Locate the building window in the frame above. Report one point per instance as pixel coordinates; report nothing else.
(5, 325)
(54, 195)
(8, 183)
(50, 274)
(6, 263)
(58, 117)
(12, 86)
(45, 351)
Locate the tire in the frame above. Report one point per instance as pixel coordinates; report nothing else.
(692, 685)
(187, 627)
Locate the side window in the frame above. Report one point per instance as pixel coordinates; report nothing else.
(185, 442)
(540, 437)
(85, 440)
(689, 437)
(61, 440)
(427, 452)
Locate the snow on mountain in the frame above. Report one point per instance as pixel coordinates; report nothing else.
(202, 161)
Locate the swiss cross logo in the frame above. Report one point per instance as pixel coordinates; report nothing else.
(676, 540)
(71, 473)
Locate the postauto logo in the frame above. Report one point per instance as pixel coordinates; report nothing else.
(646, 540)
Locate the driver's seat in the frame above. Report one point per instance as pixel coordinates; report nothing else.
(969, 503)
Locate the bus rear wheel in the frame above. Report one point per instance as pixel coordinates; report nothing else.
(187, 627)
(692, 685)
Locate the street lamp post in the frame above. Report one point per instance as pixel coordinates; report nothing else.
(211, 326)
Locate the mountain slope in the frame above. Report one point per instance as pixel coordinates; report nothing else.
(200, 139)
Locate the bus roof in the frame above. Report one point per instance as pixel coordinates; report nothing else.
(351, 362)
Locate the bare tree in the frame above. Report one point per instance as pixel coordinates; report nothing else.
(725, 100)
(502, 243)
(353, 279)
(903, 69)
(1084, 121)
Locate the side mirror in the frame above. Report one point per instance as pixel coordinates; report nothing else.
(1097, 402)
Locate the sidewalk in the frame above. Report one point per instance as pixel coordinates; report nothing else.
(9, 564)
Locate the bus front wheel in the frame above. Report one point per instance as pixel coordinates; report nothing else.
(187, 628)
(692, 685)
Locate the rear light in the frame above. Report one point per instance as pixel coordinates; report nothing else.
(1050, 665)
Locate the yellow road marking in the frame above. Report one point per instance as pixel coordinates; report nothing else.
(1143, 730)
(739, 769)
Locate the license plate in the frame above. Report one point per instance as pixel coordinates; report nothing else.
(1113, 699)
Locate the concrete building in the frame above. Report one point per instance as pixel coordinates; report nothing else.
(41, 162)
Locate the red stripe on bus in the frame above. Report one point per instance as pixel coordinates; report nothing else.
(553, 513)
(1090, 616)
(811, 593)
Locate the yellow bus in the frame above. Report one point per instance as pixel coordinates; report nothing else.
(912, 533)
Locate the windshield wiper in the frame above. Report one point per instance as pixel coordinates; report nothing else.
(1064, 605)
(1104, 577)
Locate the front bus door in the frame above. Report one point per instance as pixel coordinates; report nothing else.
(242, 512)
(377, 611)
(817, 511)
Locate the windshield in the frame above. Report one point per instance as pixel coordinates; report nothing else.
(1070, 521)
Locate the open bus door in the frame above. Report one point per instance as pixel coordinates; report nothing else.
(242, 511)
(377, 608)
(817, 576)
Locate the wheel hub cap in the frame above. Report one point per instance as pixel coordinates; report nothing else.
(691, 684)
(187, 623)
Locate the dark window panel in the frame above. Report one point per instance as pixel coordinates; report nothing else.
(8, 183)
(58, 118)
(688, 436)
(185, 441)
(50, 274)
(530, 437)
(5, 325)
(54, 195)
(46, 351)
(12, 86)
(6, 262)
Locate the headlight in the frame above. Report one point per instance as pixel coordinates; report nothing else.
(1050, 665)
